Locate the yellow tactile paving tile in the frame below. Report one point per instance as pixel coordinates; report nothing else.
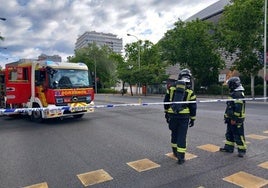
(143, 165)
(264, 165)
(188, 156)
(209, 147)
(39, 185)
(94, 177)
(257, 137)
(246, 180)
(170, 155)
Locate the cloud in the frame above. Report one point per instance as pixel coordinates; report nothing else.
(52, 27)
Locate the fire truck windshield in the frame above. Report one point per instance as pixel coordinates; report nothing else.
(69, 78)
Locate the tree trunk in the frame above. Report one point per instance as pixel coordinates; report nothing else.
(123, 88)
(131, 89)
(252, 85)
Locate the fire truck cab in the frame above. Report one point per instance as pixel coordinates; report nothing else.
(47, 89)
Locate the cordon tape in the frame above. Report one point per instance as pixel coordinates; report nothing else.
(67, 108)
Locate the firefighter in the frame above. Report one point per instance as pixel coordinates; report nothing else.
(179, 120)
(234, 118)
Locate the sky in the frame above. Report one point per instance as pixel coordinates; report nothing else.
(51, 27)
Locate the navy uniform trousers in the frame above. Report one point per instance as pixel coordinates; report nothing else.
(179, 128)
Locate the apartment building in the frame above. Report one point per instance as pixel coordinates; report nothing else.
(55, 58)
(101, 39)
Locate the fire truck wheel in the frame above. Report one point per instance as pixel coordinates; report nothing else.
(78, 116)
(36, 114)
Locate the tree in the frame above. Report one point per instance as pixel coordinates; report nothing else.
(151, 70)
(132, 66)
(99, 58)
(192, 45)
(240, 32)
(122, 70)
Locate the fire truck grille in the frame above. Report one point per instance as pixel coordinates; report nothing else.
(63, 101)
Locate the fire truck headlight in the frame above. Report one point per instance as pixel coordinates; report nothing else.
(59, 100)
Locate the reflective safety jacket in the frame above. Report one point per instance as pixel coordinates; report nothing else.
(188, 109)
(235, 110)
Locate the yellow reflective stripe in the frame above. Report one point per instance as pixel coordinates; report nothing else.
(167, 91)
(170, 110)
(243, 113)
(181, 150)
(173, 145)
(229, 143)
(189, 93)
(192, 98)
(172, 89)
(244, 146)
(180, 86)
(239, 101)
(236, 114)
(193, 117)
(185, 111)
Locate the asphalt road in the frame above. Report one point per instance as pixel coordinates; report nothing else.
(56, 153)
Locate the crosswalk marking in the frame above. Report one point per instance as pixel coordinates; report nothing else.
(143, 165)
(257, 137)
(209, 147)
(94, 177)
(39, 185)
(264, 165)
(246, 180)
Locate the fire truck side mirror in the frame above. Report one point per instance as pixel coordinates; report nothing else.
(51, 71)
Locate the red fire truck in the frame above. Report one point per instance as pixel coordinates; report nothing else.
(47, 89)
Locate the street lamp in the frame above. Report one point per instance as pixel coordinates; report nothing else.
(3, 19)
(265, 54)
(95, 75)
(139, 50)
(139, 55)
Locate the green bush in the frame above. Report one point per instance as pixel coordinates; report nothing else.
(247, 90)
(258, 89)
(218, 90)
(107, 90)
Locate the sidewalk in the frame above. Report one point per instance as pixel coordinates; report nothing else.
(199, 97)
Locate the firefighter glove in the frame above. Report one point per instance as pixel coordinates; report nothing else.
(191, 123)
(167, 117)
(233, 122)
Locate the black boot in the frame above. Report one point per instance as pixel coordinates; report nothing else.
(241, 153)
(174, 150)
(181, 158)
(227, 150)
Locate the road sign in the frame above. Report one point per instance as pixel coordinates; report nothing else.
(222, 77)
